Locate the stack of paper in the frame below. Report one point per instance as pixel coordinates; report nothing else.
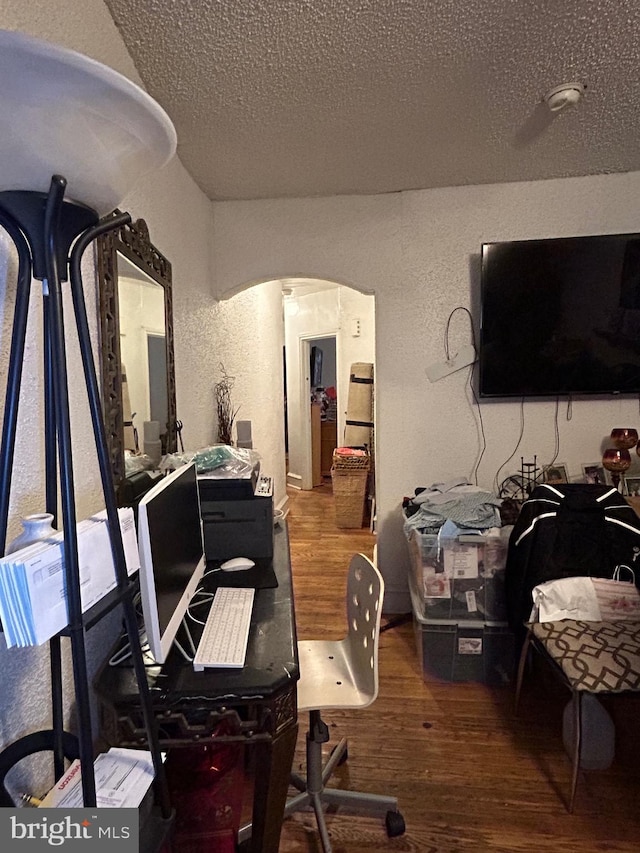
(122, 776)
(33, 601)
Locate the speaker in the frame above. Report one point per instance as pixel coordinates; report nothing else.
(243, 431)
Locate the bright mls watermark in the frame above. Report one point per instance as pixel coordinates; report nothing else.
(36, 830)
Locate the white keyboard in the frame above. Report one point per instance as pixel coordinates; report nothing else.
(226, 631)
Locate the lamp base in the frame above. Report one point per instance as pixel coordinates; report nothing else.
(27, 208)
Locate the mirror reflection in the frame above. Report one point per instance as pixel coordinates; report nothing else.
(137, 368)
(144, 362)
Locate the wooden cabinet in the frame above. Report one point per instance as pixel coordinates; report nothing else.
(324, 436)
(316, 475)
(328, 443)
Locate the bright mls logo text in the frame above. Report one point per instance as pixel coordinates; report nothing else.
(56, 832)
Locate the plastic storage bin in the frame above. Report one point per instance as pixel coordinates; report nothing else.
(463, 651)
(459, 578)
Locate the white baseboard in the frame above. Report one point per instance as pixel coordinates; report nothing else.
(284, 505)
(294, 480)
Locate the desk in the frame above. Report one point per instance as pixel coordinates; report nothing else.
(256, 704)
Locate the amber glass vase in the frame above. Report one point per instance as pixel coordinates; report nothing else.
(617, 460)
(624, 438)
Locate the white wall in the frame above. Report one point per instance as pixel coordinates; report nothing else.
(419, 253)
(180, 223)
(246, 335)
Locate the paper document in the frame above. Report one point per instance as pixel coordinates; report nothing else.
(461, 562)
(33, 601)
(123, 777)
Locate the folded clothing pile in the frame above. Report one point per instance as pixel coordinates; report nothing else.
(458, 504)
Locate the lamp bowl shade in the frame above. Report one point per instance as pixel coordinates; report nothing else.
(62, 113)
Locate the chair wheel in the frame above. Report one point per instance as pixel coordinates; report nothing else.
(395, 824)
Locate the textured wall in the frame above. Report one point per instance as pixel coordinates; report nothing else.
(419, 253)
(247, 336)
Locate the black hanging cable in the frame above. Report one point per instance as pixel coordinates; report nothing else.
(556, 427)
(483, 442)
(448, 324)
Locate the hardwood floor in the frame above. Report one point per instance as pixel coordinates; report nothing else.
(468, 775)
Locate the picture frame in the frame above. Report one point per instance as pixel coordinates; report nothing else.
(556, 473)
(632, 486)
(593, 472)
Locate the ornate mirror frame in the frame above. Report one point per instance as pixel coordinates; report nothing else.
(132, 242)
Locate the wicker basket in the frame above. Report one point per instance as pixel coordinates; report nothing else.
(351, 461)
(349, 491)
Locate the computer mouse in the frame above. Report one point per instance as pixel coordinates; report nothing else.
(237, 564)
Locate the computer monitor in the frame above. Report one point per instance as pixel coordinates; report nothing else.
(171, 555)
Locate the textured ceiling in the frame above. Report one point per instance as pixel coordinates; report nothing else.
(276, 98)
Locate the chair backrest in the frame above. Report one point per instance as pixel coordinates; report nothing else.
(365, 592)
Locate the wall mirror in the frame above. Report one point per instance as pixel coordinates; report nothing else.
(136, 346)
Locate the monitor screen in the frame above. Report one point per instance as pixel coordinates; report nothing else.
(171, 555)
(560, 317)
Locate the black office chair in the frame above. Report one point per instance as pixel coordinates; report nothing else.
(342, 674)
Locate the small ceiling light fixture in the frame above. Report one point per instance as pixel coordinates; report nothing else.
(565, 95)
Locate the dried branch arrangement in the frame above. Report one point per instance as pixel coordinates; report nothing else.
(224, 407)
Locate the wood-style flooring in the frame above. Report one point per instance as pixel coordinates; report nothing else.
(469, 776)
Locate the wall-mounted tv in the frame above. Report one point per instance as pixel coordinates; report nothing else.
(560, 317)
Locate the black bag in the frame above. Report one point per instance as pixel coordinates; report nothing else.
(568, 530)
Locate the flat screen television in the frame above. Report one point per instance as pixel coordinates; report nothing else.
(560, 317)
(172, 559)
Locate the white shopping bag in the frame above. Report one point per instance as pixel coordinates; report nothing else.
(566, 598)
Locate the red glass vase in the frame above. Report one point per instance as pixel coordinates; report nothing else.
(624, 438)
(617, 460)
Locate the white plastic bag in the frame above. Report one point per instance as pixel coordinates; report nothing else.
(588, 599)
(566, 598)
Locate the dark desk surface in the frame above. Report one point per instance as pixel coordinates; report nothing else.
(271, 665)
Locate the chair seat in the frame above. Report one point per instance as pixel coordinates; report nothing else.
(598, 657)
(327, 677)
